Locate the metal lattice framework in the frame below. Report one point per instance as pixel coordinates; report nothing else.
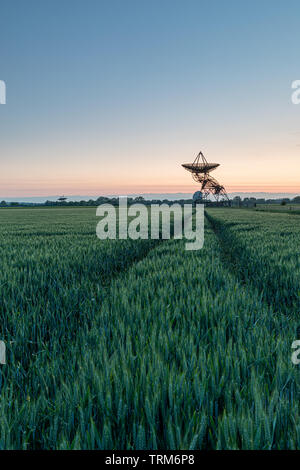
(200, 169)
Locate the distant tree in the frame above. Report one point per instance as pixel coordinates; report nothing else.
(237, 201)
(296, 200)
(283, 203)
(3, 203)
(102, 200)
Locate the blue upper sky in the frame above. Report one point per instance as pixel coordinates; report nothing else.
(111, 96)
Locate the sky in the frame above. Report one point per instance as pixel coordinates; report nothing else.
(111, 96)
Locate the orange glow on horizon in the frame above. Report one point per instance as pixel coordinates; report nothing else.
(72, 190)
(155, 175)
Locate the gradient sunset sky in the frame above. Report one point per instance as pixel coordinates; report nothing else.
(110, 97)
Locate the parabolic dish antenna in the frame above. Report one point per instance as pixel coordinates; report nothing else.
(201, 169)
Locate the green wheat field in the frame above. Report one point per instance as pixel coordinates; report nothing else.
(144, 345)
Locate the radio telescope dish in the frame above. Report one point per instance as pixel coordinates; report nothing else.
(200, 165)
(200, 169)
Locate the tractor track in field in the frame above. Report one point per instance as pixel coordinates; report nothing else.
(29, 368)
(119, 268)
(236, 255)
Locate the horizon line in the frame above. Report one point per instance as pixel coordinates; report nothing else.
(141, 194)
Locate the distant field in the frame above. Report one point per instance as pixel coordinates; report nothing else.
(289, 208)
(143, 345)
